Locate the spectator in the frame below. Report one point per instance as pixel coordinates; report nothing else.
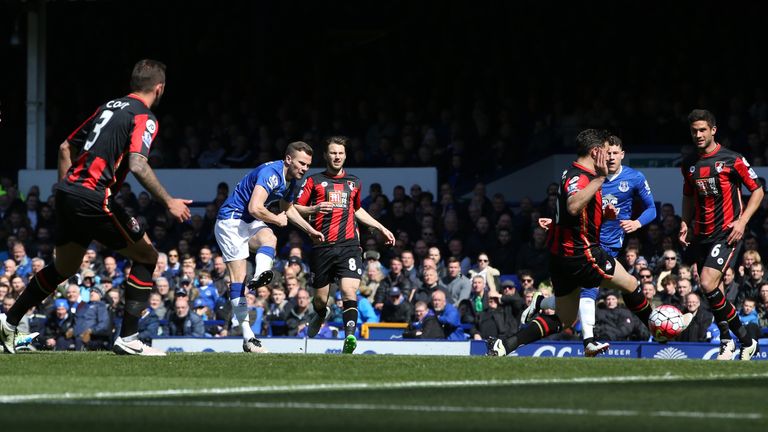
(484, 269)
(93, 324)
(505, 251)
(59, 333)
(22, 261)
(448, 316)
(300, 315)
(182, 322)
(395, 278)
(762, 306)
(482, 238)
(493, 322)
(749, 258)
(426, 325)
(458, 286)
(409, 268)
(669, 295)
(149, 323)
(157, 305)
(205, 260)
(749, 318)
(372, 280)
(278, 308)
(649, 292)
(111, 271)
(668, 265)
(207, 291)
(512, 304)
(396, 308)
(434, 254)
(751, 285)
(428, 287)
(730, 286)
(702, 319)
(614, 323)
(456, 249)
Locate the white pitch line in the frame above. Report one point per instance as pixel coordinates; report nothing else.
(425, 408)
(42, 397)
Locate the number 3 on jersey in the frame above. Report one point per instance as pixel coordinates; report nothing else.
(100, 123)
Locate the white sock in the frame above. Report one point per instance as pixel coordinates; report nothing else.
(131, 338)
(264, 262)
(587, 316)
(240, 314)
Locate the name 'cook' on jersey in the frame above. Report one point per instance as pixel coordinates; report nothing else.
(268, 175)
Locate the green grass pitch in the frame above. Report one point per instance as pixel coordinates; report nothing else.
(90, 391)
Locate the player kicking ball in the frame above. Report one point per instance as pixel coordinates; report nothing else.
(331, 201)
(576, 258)
(242, 224)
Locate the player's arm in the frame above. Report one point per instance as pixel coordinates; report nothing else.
(303, 200)
(306, 211)
(66, 158)
(578, 200)
(748, 177)
(364, 217)
(140, 168)
(643, 190)
(258, 209)
(688, 210)
(295, 218)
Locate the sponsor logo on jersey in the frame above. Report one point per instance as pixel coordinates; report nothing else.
(151, 126)
(720, 261)
(752, 174)
(338, 198)
(624, 186)
(647, 186)
(573, 185)
(719, 166)
(272, 181)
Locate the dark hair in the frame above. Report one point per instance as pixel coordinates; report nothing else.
(613, 140)
(146, 75)
(702, 114)
(337, 139)
(588, 139)
(298, 146)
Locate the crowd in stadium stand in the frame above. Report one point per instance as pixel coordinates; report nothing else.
(458, 270)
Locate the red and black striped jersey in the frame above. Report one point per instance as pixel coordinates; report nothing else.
(117, 128)
(714, 181)
(573, 235)
(339, 227)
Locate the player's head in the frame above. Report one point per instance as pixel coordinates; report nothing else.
(298, 156)
(590, 141)
(335, 152)
(703, 128)
(615, 154)
(148, 77)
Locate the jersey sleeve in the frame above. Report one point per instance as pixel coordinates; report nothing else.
(78, 137)
(576, 183)
(305, 194)
(268, 179)
(687, 186)
(356, 196)
(746, 174)
(643, 190)
(144, 131)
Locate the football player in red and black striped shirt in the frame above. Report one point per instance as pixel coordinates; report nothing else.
(712, 205)
(331, 200)
(576, 259)
(93, 163)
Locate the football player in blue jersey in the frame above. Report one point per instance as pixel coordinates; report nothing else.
(620, 189)
(241, 225)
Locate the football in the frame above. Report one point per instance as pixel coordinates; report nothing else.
(666, 322)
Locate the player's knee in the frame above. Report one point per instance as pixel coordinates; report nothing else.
(267, 238)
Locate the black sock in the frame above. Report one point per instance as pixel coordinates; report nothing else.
(587, 341)
(38, 289)
(137, 290)
(724, 311)
(349, 315)
(724, 330)
(541, 327)
(638, 304)
(320, 309)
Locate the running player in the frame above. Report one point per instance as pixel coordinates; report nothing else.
(712, 204)
(621, 187)
(576, 259)
(114, 140)
(331, 200)
(241, 225)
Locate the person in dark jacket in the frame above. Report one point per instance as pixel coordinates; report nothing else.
(184, 323)
(448, 316)
(300, 315)
(396, 308)
(395, 278)
(613, 323)
(93, 324)
(697, 329)
(426, 325)
(492, 321)
(149, 326)
(59, 331)
(430, 285)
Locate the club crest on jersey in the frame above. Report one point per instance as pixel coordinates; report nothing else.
(133, 224)
(608, 265)
(692, 169)
(351, 184)
(719, 166)
(573, 185)
(623, 185)
(324, 184)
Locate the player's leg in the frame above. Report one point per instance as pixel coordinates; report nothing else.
(264, 242)
(725, 312)
(69, 256)
(349, 269)
(323, 262)
(631, 291)
(232, 236)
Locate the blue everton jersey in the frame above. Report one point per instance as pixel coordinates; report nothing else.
(269, 176)
(620, 190)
